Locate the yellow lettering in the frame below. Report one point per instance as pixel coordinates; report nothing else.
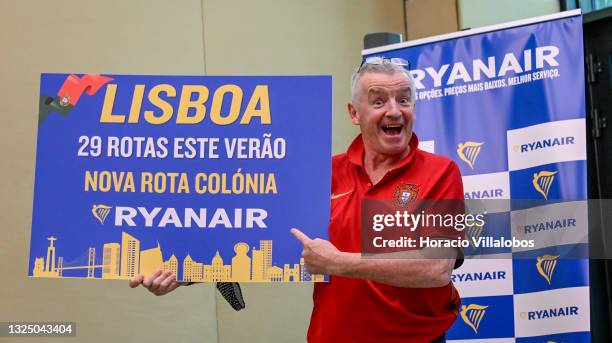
(160, 182)
(128, 186)
(146, 182)
(213, 183)
(258, 105)
(200, 183)
(161, 104)
(186, 103)
(224, 189)
(271, 185)
(172, 177)
(234, 112)
(183, 184)
(91, 181)
(261, 96)
(105, 181)
(136, 104)
(117, 182)
(107, 115)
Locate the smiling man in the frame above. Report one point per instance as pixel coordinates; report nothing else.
(381, 300)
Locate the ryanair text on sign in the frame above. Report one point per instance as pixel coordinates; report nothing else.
(553, 142)
(552, 224)
(548, 312)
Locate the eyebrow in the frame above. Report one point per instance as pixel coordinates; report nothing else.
(380, 90)
(375, 91)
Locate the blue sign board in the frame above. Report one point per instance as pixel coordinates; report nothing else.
(201, 175)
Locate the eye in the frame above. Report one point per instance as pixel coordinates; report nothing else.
(378, 103)
(405, 101)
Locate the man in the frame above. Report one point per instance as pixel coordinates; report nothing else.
(375, 300)
(381, 300)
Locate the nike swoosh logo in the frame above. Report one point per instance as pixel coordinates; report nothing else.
(336, 196)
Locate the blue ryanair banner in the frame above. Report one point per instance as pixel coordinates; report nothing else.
(507, 103)
(203, 176)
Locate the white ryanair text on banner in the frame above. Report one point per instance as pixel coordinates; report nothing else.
(557, 141)
(428, 146)
(478, 278)
(551, 225)
(549, 312)
(543, 56)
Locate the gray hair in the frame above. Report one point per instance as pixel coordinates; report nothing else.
(385, 68)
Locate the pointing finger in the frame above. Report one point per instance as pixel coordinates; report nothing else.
(300, 236)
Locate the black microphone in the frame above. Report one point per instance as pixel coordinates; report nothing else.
(232, 293)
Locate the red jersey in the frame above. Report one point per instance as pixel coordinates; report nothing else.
(360, 310)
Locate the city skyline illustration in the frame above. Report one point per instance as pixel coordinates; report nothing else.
(124, 260)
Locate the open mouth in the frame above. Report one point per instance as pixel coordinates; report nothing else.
(392, 129)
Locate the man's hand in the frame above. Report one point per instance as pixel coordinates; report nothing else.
(320, 256)
(412, 269)
(158, 283)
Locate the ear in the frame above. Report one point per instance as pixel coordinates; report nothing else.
(353, 113)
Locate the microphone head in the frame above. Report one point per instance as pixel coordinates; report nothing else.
(232, 294)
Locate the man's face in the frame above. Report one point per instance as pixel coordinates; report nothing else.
(384, 112)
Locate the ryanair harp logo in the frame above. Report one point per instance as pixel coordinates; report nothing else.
(546, 266)
(474, 232)
(472, 315)
(100, 212)
(542, 182)
(468, 152)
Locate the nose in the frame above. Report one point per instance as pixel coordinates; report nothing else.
(393, 109)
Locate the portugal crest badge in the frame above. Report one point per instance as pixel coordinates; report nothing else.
(405, 194)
